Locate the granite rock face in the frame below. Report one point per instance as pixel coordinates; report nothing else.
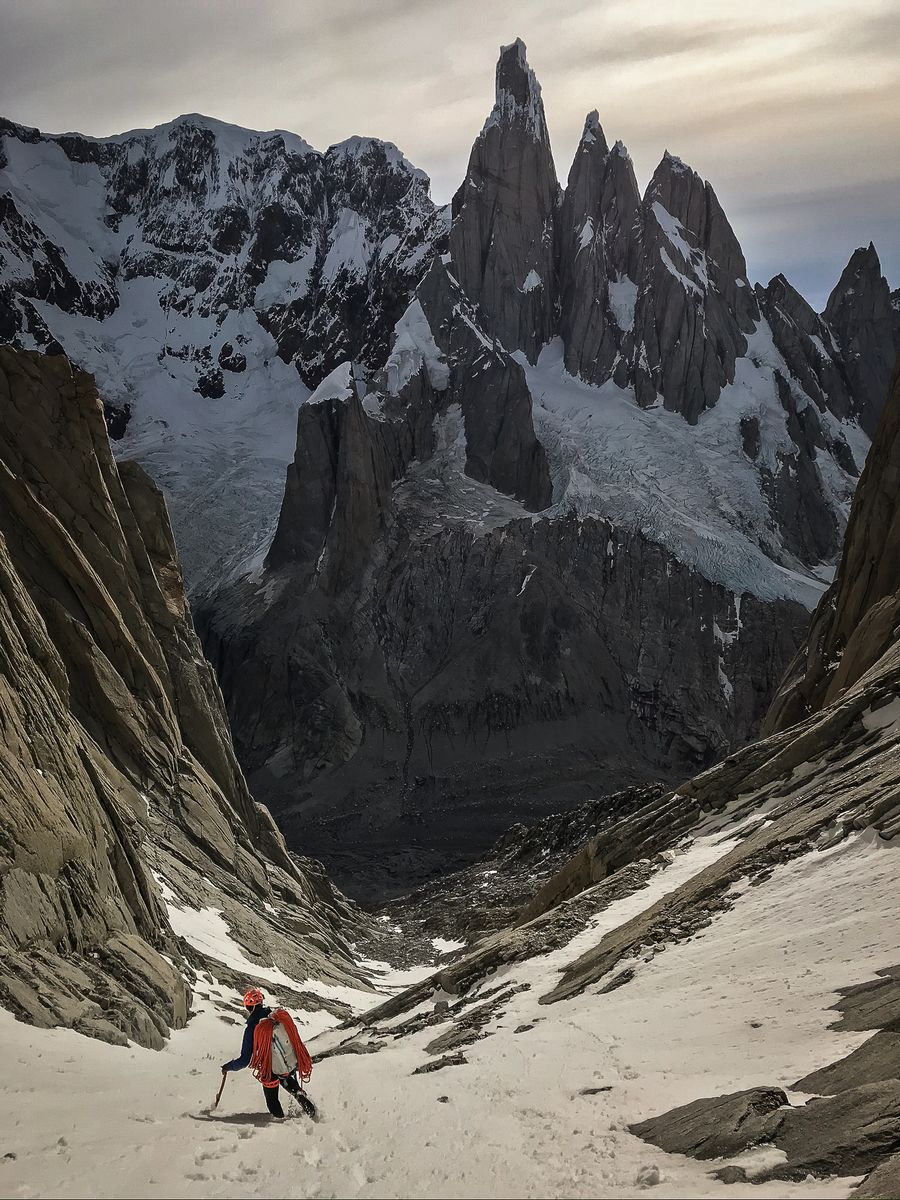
(122, 797)
(422, 662)
(600, 246)
(861, 315)
(695, 307)
(501, 447)
(857, 620)
(502, 236)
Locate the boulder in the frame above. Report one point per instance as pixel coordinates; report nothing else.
(716, 1127)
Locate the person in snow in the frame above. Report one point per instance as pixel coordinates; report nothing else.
(254, 1003)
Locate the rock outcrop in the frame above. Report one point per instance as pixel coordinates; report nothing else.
(123, 808)
(502, 237)
(695, 307)
(500, 443)
(860, 313)
(600, 245)
(857, 620)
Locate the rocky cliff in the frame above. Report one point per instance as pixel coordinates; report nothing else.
(600, 250)
(502, 236)
(496, 588)
(125, 817)
(856, 622)
(420, 661)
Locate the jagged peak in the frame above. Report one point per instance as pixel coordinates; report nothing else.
(782, 293)
(864, 258)
(517, 48)
(669, 169)
(593, 130)
(779, 283)
(621, 150)
(357, 147)
(672, 162)
(593, 140)
(864, 266)
(518, 93)
(235, 136)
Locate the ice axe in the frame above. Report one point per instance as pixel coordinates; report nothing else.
(215, 1103)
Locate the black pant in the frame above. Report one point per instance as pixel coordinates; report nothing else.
(290, 1085)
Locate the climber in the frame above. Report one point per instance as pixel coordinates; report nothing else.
(273, 1049)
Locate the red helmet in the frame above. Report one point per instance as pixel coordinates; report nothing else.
(252, 997)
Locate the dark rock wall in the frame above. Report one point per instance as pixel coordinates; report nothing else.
(858, 617)
(465, 682)
(502, 237)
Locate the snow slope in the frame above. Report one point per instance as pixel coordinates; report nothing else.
(689, 487)
(744, 1002)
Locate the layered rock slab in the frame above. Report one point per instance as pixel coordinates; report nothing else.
(121, 791)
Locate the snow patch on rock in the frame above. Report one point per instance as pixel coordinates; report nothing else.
(415, 347)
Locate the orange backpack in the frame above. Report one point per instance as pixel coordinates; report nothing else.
(278, 1050)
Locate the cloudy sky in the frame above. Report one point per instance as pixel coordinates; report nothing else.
(790, 107)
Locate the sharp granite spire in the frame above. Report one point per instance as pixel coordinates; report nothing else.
(502, 238)
(860, 312)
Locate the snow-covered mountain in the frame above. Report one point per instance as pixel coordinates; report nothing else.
(650, 301)
(631, 482)
(191, 267)
(573, 413)
(208, 275)
(504, 577)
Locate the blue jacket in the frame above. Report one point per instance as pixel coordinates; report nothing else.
(254, 1017)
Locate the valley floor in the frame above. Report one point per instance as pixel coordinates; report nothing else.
(746, 1001)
